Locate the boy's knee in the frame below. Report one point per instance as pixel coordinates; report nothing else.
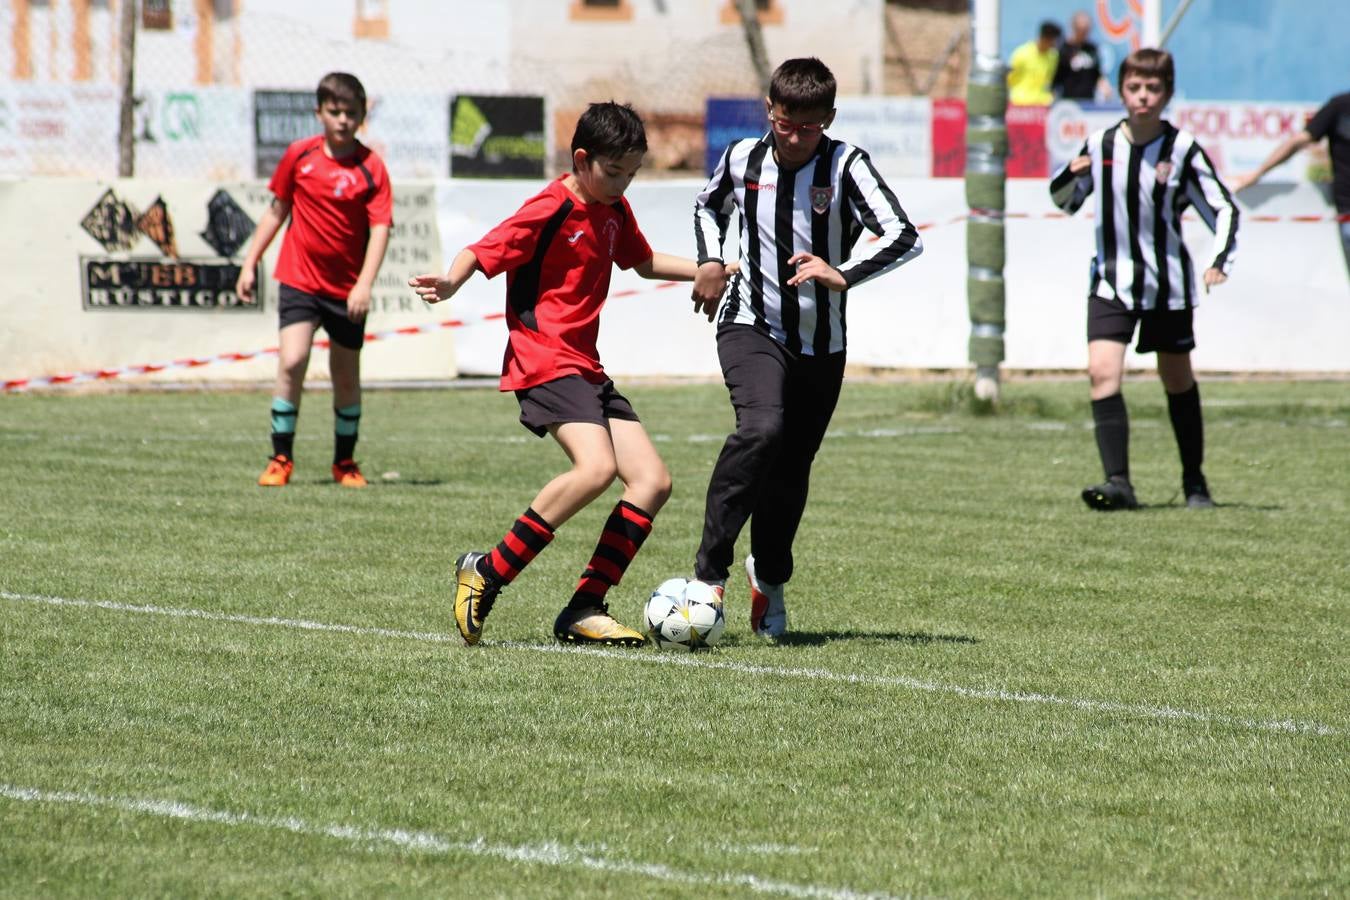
(761, 428)
(596, 475)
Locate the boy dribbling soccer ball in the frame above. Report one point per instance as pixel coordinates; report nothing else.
(558, 252)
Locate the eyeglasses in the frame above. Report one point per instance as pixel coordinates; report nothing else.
(787, 126)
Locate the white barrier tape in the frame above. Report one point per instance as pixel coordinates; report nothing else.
(22, 384)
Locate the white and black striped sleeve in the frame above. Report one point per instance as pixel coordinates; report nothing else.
(875, 205)
(712, 211)
(1069, 191)
(1214, 203)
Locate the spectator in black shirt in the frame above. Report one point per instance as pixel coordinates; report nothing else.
(1079, 73)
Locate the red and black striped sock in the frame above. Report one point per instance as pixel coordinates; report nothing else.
(527, 538)
(625, 530)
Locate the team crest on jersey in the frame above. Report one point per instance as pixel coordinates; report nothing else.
(821, 197)
(612, 235)
(1163, 169)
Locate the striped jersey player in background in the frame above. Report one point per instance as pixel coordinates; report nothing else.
(804, 200)
(1146, 173)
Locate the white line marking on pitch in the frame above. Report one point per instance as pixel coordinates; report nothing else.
(547, 854)
(1168, 713)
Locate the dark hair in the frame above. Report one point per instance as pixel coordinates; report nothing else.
(340, 87)
(610, 130)
(1051, 30)
(1149, 63)
(804, 84)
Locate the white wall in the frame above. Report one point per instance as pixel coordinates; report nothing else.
(1286, 308)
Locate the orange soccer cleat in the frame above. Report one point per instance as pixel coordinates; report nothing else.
(348, 474)
(278, 471)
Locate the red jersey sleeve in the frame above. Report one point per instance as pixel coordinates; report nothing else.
(632, 249)
(380, 206)
(512, 243)
(283, 179)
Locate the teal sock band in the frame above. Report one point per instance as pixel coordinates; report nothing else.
(284, 413)
(347, 419)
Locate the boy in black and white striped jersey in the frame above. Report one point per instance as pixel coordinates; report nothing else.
(804, 201)
(1146, 173)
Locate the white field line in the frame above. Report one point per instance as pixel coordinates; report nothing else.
(998, 695)
(546, 854)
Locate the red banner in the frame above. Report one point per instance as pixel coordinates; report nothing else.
(1027, 156)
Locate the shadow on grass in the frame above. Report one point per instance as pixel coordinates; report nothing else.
(378, 482)
(1177, 505)
(917, 638)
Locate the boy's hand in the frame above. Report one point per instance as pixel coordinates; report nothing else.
(1080, 164)
(243, 287)
(811, 268)
(431, 288)
(1242, 182)
(1212, 277)
(358, 303)
(709, 283)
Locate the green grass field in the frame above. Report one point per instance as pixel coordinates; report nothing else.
(207, 688)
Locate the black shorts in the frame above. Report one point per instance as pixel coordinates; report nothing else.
(297, 306)
(571, 399)
(1167, 330)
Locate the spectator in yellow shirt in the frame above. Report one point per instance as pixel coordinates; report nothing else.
(1031, 69)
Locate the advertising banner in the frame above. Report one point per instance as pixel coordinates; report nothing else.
(58, 129)
(410, 132)
(949, 138)
(279, 119)
(140, 274)
(200, 132)
(896, 132)
(1026, 140)
(730, 119)
(1237, 136)
(497, 137)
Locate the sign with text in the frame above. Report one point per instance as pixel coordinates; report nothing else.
(1237, 136)
(497, 137)
(896, 132)
(161, 284)
(279, 119)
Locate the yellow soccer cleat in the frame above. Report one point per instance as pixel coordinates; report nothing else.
(474, 596)
(594, 625)
(348, 474)
(278, 472)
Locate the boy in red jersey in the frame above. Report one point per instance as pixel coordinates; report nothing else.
(336, 192)
(558, 252)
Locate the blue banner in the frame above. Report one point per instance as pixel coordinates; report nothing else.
(730, 119)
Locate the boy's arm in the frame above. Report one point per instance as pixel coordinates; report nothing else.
(712, 216)
(667, 268)
(1214, 203)
(1288, 148)
(434, 288)
(272, 219)
(358, 300)
(1072, 185)
(876, 206)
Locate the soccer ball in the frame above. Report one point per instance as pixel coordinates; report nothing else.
(684, 615)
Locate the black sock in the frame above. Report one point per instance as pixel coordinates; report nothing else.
(1113, 435)
(344, 447)
(1189, 427)
(283, 444)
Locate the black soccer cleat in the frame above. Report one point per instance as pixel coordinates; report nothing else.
(1197, 495)
(1112, 494)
